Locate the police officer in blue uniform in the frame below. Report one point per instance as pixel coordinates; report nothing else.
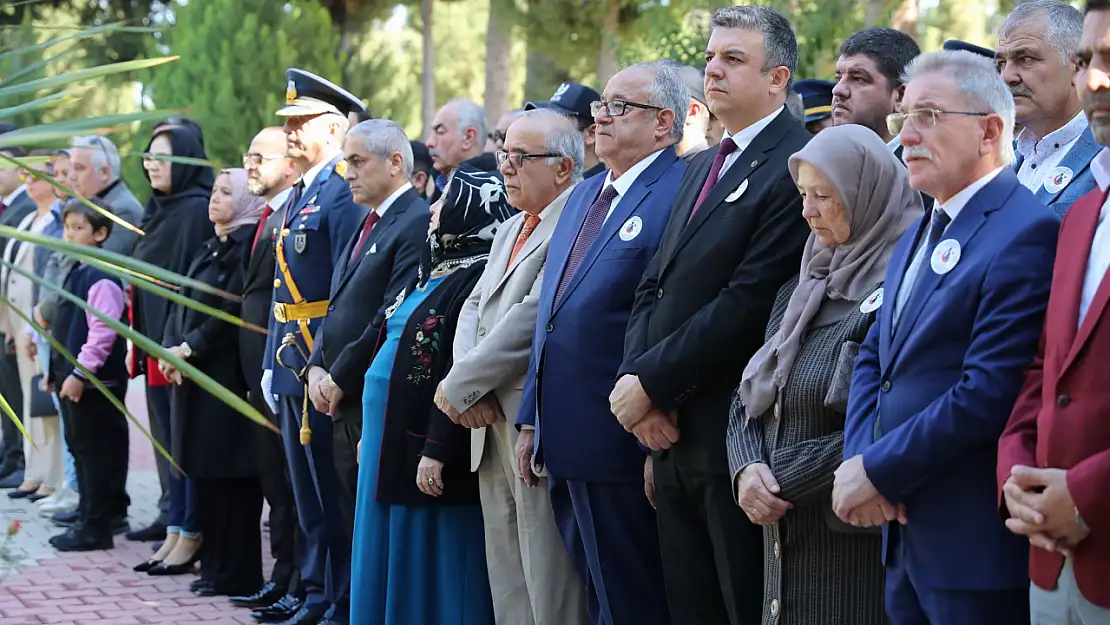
(319, 218)
(817, 102)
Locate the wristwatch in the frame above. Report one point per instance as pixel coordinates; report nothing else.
(186, 351)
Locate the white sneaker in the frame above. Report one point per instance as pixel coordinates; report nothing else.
(62, 501)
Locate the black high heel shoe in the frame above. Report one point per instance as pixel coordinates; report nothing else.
(146, 566)
(162, 569)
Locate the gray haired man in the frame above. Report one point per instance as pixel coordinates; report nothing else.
(531, 576)
(95, 172)
(1036, 49)
(458, 137)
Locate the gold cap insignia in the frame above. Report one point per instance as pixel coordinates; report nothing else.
(341, 167)
(290, 93)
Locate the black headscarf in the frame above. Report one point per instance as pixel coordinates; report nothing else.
(473, 207)
(175, 224)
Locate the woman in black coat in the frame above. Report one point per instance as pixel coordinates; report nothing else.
(175, 224)
(212, 441)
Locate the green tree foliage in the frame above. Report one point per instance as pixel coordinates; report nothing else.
(231, 75)
(21, 61)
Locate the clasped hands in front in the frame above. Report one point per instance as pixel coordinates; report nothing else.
(857, 502)
(485, 411)
(325, 396)
(168, 370)
(632, 407)
(1042, 509)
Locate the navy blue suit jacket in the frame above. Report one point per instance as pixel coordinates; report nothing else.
(930, 398)
(315, 232)
(1082, 180)
(579, 345)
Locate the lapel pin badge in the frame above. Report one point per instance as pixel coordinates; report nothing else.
(631, 228)
(1057, 179)
(735, 195)
(946, 256)
(873, 302)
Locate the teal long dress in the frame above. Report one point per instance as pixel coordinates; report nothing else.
(421, 565)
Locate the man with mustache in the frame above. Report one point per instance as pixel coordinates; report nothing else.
(1054, 457)
(936, 377)
(1036, 46)
(869, 80)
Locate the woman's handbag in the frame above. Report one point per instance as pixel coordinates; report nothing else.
(42, 404)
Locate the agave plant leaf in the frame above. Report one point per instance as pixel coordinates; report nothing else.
(183, 160)
(54, 132)
(118, 260)
(91, 377)
(24, 162)
(57, 185)
(62, 97)
(80, 75)
(153, 348)
(176, 298)
(7, 409)
(93, 31)
(34, 67)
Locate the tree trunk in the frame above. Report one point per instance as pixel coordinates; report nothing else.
(870, 12)
(905, 18)
(607, 54)
(498, 50)
(427, 71)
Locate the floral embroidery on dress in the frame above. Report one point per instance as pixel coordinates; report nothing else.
(426, 347)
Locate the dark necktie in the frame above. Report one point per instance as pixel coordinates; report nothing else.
(599, 210)
(266, 212)
(937, 225)
(728, 146)
(367, 225)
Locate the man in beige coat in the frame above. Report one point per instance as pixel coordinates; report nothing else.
(531, 576)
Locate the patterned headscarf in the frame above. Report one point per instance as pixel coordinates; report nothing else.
(473, 206)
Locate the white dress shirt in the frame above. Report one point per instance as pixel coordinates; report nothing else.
(380, 210)
(953, 207)
(624, 183)
(310, 175)
(14, 195)
(278, 201)
(744, 138)
(1045, 155)
(1099, 260)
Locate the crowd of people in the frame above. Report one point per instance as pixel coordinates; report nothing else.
(706, 348)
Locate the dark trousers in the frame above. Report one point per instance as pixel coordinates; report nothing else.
(11, 446)
(712, 554)
(274, 481)
(158, 411)
(347, 432)
(910, 602)
(96, 433)
(609, 529)
(326, 565)
(231, 557)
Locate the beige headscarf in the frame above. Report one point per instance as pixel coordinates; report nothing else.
(874, 188)
(247, 207)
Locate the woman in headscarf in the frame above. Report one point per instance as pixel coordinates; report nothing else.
(419, 547)
(211, 440)
(175, 225)
(786, 428)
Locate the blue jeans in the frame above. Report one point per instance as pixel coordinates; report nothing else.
(183, 517)
(43, 347)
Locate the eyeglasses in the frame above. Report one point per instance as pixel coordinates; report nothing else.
(616, 108)
(921, 118)
(497, 136)
(26, 176)
(251, 158)
(516, 159)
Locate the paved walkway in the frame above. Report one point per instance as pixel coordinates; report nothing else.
(99, 587)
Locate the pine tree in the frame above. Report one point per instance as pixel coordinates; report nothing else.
(231, 74)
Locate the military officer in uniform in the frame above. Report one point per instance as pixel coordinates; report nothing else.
(319, 218)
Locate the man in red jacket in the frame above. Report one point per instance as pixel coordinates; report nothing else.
(1054, 456)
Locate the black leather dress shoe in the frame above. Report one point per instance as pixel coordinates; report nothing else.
(21, 494)
(37, 496)
(156, 531)
(204, 589)
(269, 593)
(197, 583)
(143, 567)
(82, 539)
(162, 569)
(66, 519)
(284, 609)
(307, 616)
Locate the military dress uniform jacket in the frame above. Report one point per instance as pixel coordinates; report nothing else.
(315, 228)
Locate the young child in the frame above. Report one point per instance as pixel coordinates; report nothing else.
(95, 430)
